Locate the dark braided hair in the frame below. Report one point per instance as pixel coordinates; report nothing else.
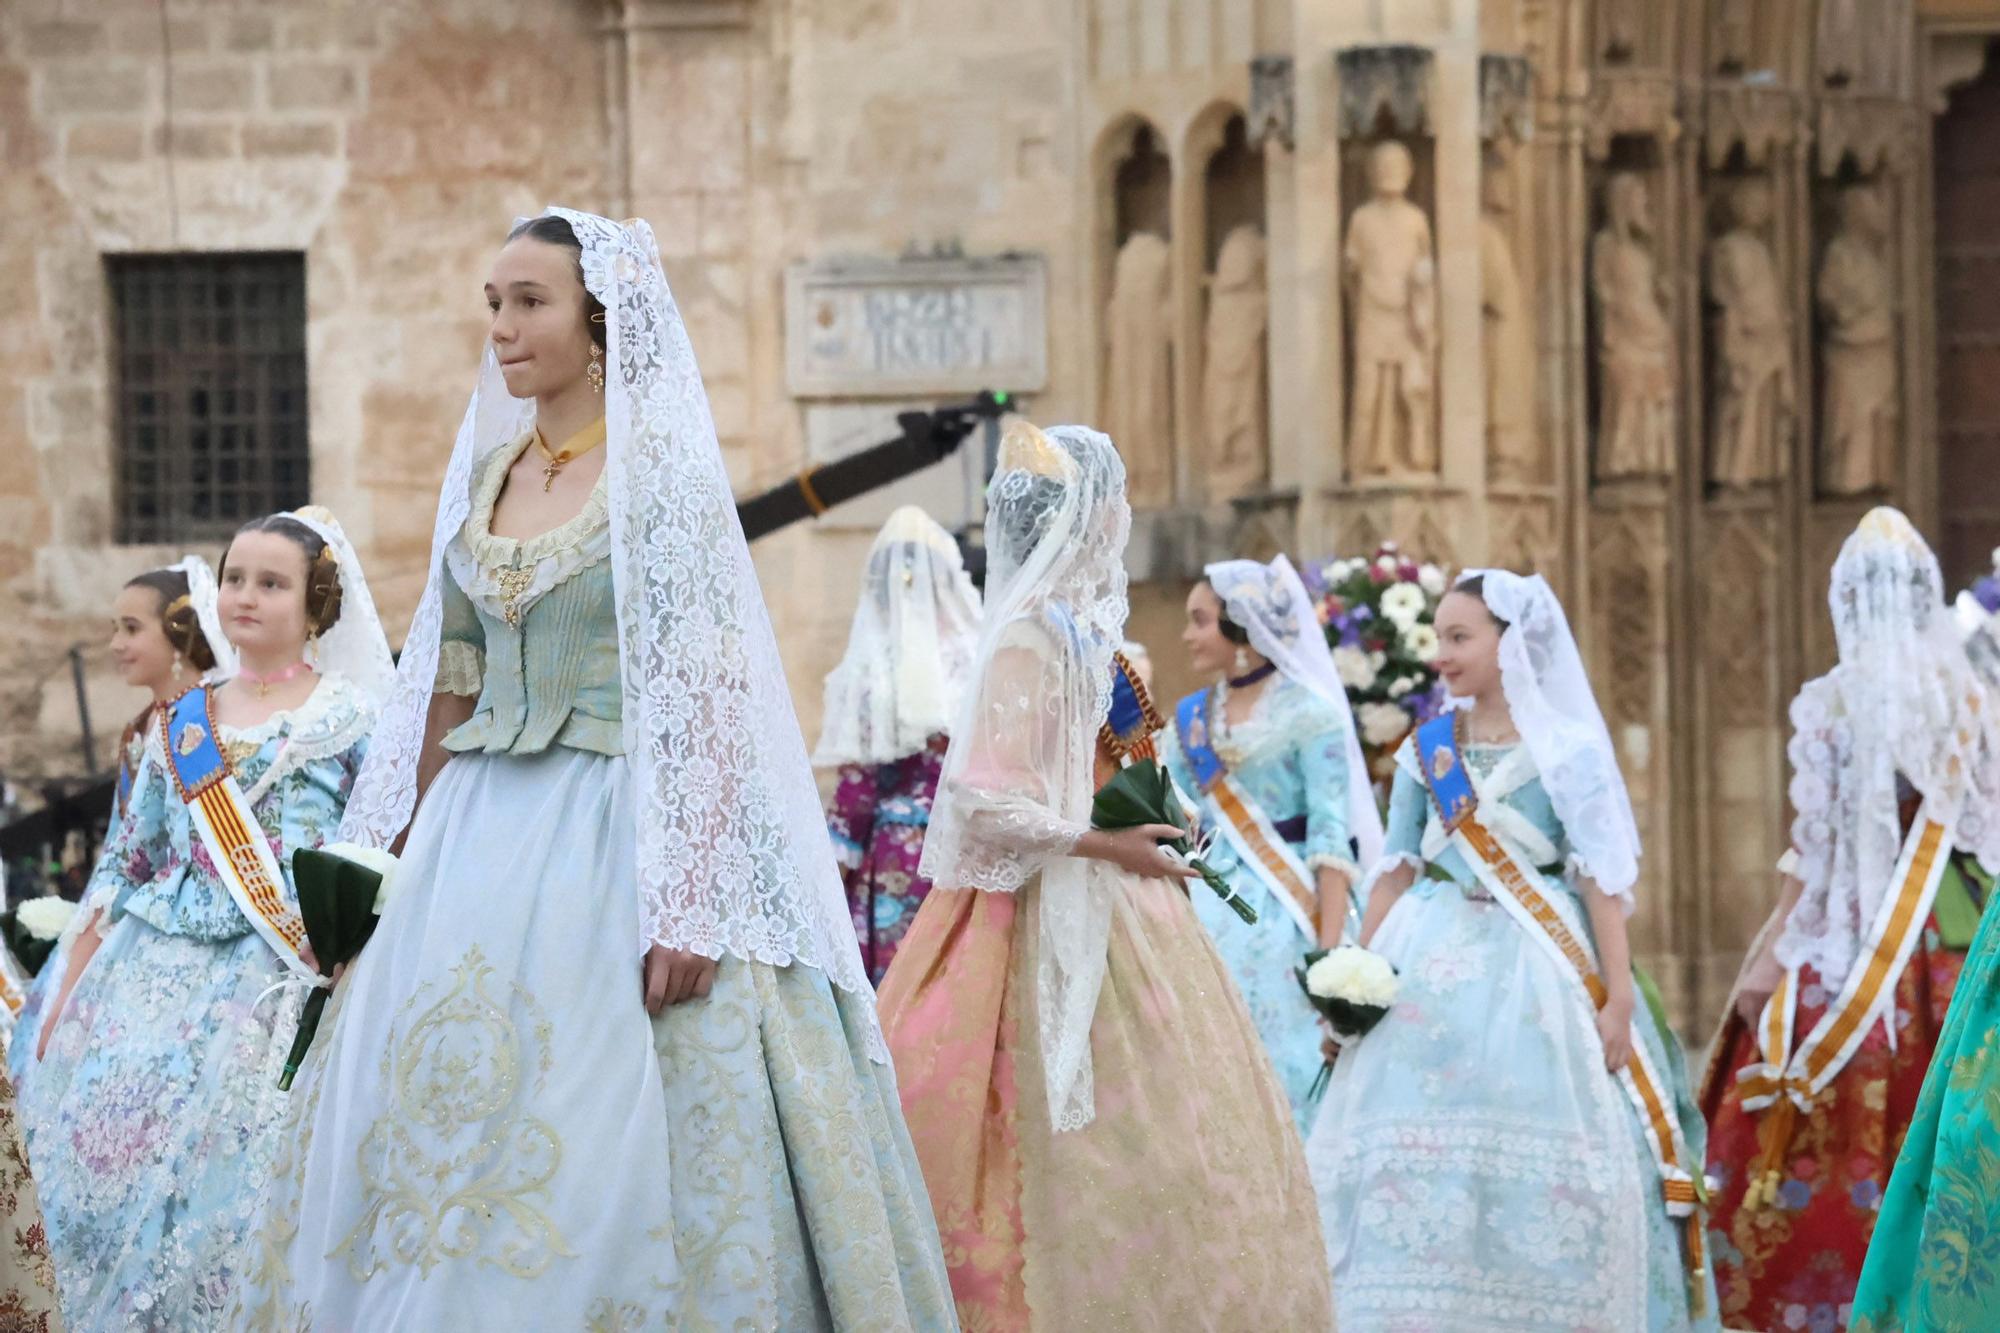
(177, 618)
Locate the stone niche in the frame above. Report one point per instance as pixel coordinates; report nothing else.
(1140, 356)
(867, 338)
(1388, 263)
(1233, 451)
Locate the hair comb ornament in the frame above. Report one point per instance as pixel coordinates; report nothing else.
(1025, 448)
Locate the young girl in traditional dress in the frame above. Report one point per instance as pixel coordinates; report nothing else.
(1271, 755)
(1105, 1143)
(610, 1059)
(157, 1097)
(1896, 776)
(1513, 1146)
(888, 703)
(165, 637)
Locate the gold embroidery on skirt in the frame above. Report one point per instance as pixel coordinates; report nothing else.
(456, 1167)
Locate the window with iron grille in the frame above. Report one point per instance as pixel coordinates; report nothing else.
(211, 356)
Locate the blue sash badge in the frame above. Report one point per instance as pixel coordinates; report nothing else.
(1445, 771)
(1191, 722)
(192, 752)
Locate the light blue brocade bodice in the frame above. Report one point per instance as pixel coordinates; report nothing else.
(531, 628)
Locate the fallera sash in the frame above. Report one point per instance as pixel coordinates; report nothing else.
(1519, 888)
(227, 827)
(1788, 1079)
(1258, 844)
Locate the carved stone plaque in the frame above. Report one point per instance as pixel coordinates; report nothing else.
(876, 328)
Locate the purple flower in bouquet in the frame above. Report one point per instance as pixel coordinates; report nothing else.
(1986, 591)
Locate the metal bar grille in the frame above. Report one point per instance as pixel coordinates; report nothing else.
(211, 392)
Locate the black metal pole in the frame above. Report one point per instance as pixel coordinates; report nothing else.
(83, 709)
(927, 438)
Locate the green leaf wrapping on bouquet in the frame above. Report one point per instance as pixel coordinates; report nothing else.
(337, 905)
(1141, 793)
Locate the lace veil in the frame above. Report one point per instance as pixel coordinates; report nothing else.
(1018, 781)
(355, 648)
(733, 853)
(1271, 603)
(1904, 700)
(1548, 694)
(204, 600)
(915, 632)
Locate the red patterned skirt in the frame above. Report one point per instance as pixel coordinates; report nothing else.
(1795, 1265)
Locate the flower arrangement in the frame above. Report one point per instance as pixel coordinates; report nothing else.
(1378, 615)
(44, 918)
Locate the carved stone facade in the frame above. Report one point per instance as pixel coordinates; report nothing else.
(1635, 294)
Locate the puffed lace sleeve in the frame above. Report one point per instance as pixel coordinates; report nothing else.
(1322, 749)
(461, 644)
(1001, 815)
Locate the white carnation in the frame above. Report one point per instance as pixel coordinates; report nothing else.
(1403, 603)
(1401, 686)
(1388, 564)
(1421, 642)
(1382, 724)
(382, 862)
(45, 918)
(1355, 975)
(1378, 660)
(1432, 580)
(1356, 669)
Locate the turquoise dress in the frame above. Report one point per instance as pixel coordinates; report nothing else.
(1477, 1166)
(1290, 757)
(490, 1132)
(1934, 1259)
(153, 1119)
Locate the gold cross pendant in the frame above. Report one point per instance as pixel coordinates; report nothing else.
(549, 470)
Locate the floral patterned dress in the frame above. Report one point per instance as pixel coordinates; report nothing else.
(155, 1107)
(27, 1272)
(1478, 1168)
(877, 821)
(1934, 1261)
(1290, 755)
(1795, 1265)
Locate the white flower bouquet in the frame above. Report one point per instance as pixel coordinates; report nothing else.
(45, 918)
(1353, 988)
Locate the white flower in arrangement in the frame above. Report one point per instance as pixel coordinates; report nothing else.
(1996, 559)
(381, 862)
(1431, 579)
(1378, 660)
(44, 918)
(1403, 603)
(1356, 670)
(1401, 686)
(1381, 724)
(1355, 975)
(1421, 642)
(1388, 564)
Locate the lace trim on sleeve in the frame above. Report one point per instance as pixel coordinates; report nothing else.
(461, 668)
(333, 720)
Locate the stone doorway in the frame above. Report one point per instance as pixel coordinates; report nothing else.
(1967, 176)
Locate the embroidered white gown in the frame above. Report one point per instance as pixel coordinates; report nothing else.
(489, 1132)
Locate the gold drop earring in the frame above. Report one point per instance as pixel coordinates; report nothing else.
(594, 372)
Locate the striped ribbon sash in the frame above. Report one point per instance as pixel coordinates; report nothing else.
(1788, 1079)
(1519, 889)
(223, 820)
(1257, 842)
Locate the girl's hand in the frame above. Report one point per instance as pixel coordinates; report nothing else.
(1138, 850)
(674, 975)
(1614, 1029)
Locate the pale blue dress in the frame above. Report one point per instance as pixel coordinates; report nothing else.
(489, 1132)
(1290, 756)
(153, 1118)
(1479, 1171)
